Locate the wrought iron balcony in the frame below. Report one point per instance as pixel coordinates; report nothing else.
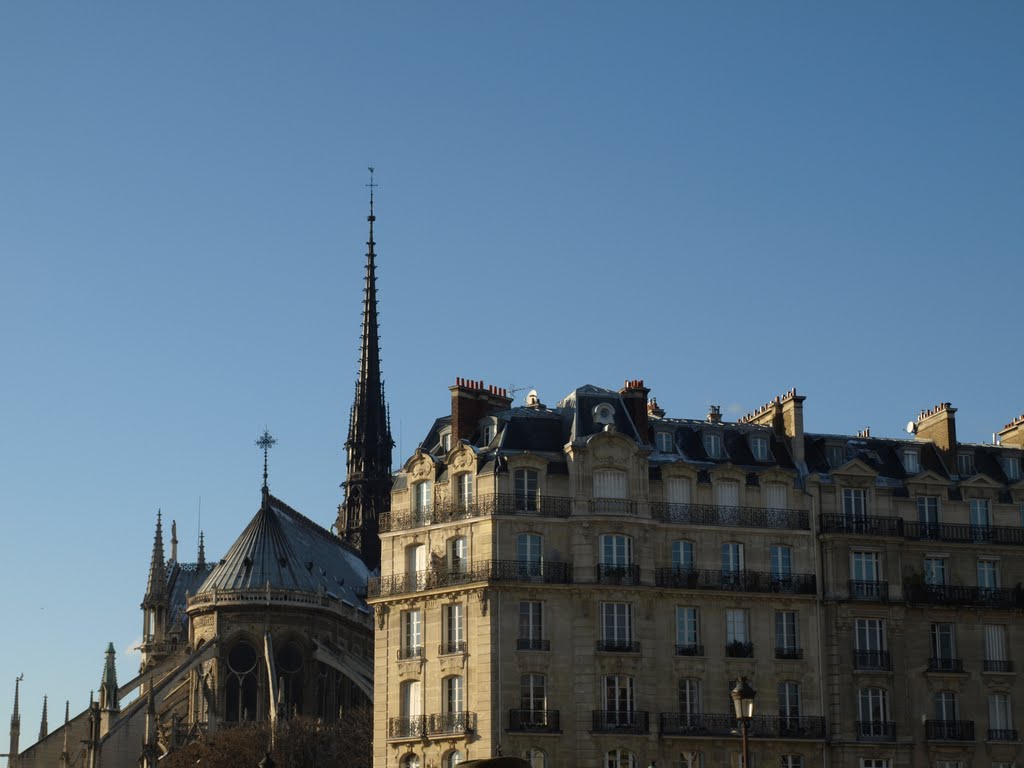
(878, 660)
(445, 511)
(733, 517)
(789, 653)
(615, 721)
(945, 664)
(407, 727)
(945, 594)
(964, 534)
(451, 722)
(543, 720)
(874, 591)
(411, 652)
(992, 665)
(451, 648)
(618, 646)
(736, 581)
(618, 574)
(865, 525)
(689, 650)
(532, 644)
(761, 726)
(949, 730)
(876, 730)
(1002, 734)
(739, 650)
(468, 572)
(613, 507)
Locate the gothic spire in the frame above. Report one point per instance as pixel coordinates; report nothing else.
(368, 447)
(44, 728)
(16, 715)
(201, 559)
(15, 723)
(108, 685)
(65, 754)
(157, 567)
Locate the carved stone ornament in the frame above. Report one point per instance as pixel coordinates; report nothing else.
(484, 597)
(382, 614)
(422, 469)
(463, 460)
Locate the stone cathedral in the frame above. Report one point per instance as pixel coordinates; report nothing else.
(277, 627)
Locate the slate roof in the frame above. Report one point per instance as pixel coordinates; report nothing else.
(183, 579)
(290, 551)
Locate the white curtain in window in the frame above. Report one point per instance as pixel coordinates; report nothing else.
(995, 642)
(775, 496)
(610, 484)
(677, 490)
(727, 493)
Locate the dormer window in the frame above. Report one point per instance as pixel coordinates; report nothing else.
(446, 442)
(911, 463)
(759, 447)
(713, 445)
(664, 442)
(836, 456)
(1011, 468)
(965, 464)
(486, 435)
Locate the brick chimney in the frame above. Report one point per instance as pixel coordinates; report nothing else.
(785, 415)
(938, 425)
(471, 401)
(634, 396)
(1013, 433)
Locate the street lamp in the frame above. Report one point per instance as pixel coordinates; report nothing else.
(743, 699)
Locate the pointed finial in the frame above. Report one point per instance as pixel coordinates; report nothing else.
(16, 716)
(266, 442)
(201, 560)
(44, 727)
(371, 185)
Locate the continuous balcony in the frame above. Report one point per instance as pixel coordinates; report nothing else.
(945, 664)
(613, 507)
(876, 730)
(872, 591)
(761, 726)
(872, 660)
(981, 597)
(451, 723)
(407, 727)
(484, 505)
(949, 730)
(964, 534)
(863, 525)
(615, 721)
(467, 573)
(627, 575)
(534, 720)
(736, 581)
(731, 517)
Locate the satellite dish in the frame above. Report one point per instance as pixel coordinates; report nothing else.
(911, 428)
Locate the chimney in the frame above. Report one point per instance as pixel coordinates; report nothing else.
(785, 415)
(471, 401)
(715, 414)
(1013, 433)
(634, 397)
(938, 425)
(653, 409)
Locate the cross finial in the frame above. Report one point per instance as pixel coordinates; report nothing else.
(266, 442)
(371, 185)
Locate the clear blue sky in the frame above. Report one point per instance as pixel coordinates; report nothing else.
(724, 199)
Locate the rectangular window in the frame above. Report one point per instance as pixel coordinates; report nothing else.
(1011, 468)
(865, 566)
(943, 642)
(616, 549)
(531, 625)
(454, 702)
(727, 493)
(617, 623)
(527, 497)
(713, 445)
(787, 637)
(446, 442)
(995, 649)
(677, 490)
(980, 513)
(946, 706)
(789, 699)
(928, 510)
(873, 707)
(687, 629)
(682, 555)
(736, 626)
(759, 447)
(836, 456)
(775, 496)
(664, 442)
(988, 574)
(910, 463)
(618, 696)
(875, 762)
(458, 550)
(421, 502)
(732, 557)
(464, 490)
(533, 693)
(529, 548)
(869, 634)
(1000, 717)
(454, 631)
(610, 484)
(855, 503)
(412, 633)
(486, 434)
(935, 571)
(965, 464)
(781, 561)
(689, 696)
(791, 761)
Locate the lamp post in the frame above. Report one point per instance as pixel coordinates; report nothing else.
(743, 699)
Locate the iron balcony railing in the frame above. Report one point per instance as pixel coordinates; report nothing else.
(761, 726)
(945, 594)
(532, 644)
(876, 730)
(613, 507)
(949, 730)
(544, 720)
(689, 650)
(451, 648)
(444, 511)
(733, 517)
(876, 591)
(993, 665)
(736, 581)
(863, 525)
(872, 660)
(411, 652)
(618, 574)
(618, 646)
(739, 650)
(616, 721)
(965, 534)
(789, 653)
(1002, 734)
(451, 722)
(467, 572)
(407, 727)
(945, 664)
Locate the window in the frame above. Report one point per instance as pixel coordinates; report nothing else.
(412, 634)
(1000, 719)
(727, 493)
(446, 442)
(928, 509)
(946, 706)
(935, 571)
(619, 758)
(616, 625)
(689, 696)
(787, 635)
(855, 504)
(610, 484)
(995, 649)
(789, 699)
(457, 554)
(411, 700)
(454, 629)
(943, 644)
(988, 573)
(965, 464)
(486, 434)
(533, 697)
(736, 625)
(865, 566)
(911, 463)
(873, 713)
(875, 762)
(664, 442)
(980, 520)
(691, 759)
(619, 700)
(616, 549)
(948, 764)
(1011, 468)
(781, 561)
(677, 490)
(775, 496)
(241, 685)
(464, 490)
(411, 761)
(869, 634)
(732, 557)
(421, 498)
(453, 689)
(759, 447)
(713, 445)
(531, 625)
(682, 555)
(791, 761)
(687, 631)
(452, 759)
(525, 482)
(836, 456)
(530, 556)
(537, 758)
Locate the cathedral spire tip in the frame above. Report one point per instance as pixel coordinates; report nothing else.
(265, 441)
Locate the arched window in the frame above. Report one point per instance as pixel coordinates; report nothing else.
(537, 758)
(452, 759)
(290, 676)
(619, 758)
(241, 684)
(411, 761)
